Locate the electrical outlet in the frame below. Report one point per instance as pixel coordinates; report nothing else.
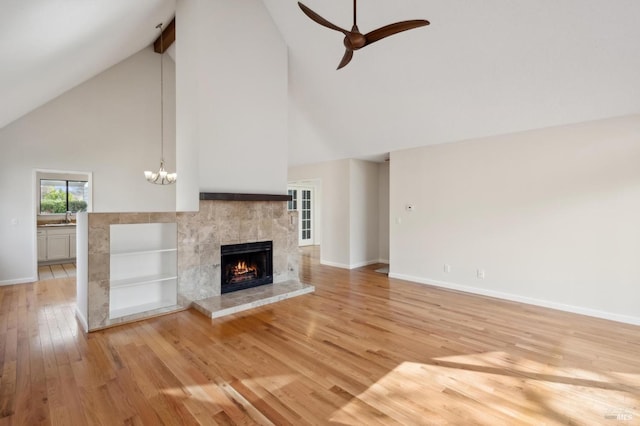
(480, 274)
(447, 268)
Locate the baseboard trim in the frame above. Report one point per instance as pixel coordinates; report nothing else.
(521, 299)
(345, 266)
(365, 263)
(82, 320)
(334, 264)
(25, 280)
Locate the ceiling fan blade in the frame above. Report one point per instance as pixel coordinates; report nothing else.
(348, 54)
(320, 20)
(392, 29)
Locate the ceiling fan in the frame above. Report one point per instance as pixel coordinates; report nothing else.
(354, 39)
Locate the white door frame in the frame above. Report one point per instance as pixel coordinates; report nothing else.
(299, 208)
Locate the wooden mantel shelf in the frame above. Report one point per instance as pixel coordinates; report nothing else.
(227, 196)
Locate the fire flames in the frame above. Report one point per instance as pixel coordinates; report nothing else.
(242, 271)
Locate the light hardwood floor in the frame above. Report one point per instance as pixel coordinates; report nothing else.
(364, 349)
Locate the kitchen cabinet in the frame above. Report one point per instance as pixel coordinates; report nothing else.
(42, 245)
(56, 244)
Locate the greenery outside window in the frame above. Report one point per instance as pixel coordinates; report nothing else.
(61, 196)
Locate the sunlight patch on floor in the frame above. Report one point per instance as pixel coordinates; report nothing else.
(220, 395)
(208, 391)
(271, 383)
(462, 389)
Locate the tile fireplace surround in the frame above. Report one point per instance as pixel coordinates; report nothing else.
(199, 238)
(218, 223)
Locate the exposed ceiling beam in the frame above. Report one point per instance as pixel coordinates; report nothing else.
(168, 37)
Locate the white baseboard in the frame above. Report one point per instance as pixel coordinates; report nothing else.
(365, 263)
(334, 264)
(83, 320)
(383, 261)
(25, 280)
(352, 266)
(522, 299)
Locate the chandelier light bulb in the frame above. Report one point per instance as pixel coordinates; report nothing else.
(161, 177)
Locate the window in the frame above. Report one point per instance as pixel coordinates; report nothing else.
(292, 204)
(61, 196)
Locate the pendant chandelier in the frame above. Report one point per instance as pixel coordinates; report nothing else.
(161, 177)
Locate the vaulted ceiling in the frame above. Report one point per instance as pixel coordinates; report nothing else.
(481, 68)
(50, 46)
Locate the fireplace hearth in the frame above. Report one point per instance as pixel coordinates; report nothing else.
(246, 265)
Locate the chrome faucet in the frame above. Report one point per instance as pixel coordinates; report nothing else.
(67, 217)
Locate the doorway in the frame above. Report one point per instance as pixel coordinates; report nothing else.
(302, 201)
(58, 196)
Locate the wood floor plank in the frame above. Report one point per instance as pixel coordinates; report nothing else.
(362, 349)
(9, 356)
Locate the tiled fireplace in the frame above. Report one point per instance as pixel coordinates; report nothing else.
(200, 237)
(220, 223)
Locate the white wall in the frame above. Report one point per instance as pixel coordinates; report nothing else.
(235, 84)
(82, 269)
(187, 54)
(551, 216)
(383, 211)
(109, 125)
(349, 198)
(333, 196)
(363, 213)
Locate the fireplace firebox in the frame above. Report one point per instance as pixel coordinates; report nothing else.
(246, 265)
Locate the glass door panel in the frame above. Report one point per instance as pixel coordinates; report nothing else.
(305, 218)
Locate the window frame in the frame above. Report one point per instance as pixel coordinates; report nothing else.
(66, 188)
(292, 204)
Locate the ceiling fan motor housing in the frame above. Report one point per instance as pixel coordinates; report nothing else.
(355, 39)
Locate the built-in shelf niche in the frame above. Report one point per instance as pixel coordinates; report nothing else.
(143, 268)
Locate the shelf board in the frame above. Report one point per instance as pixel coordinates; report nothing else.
(139, 252)
(137, 309)
(136, 281)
